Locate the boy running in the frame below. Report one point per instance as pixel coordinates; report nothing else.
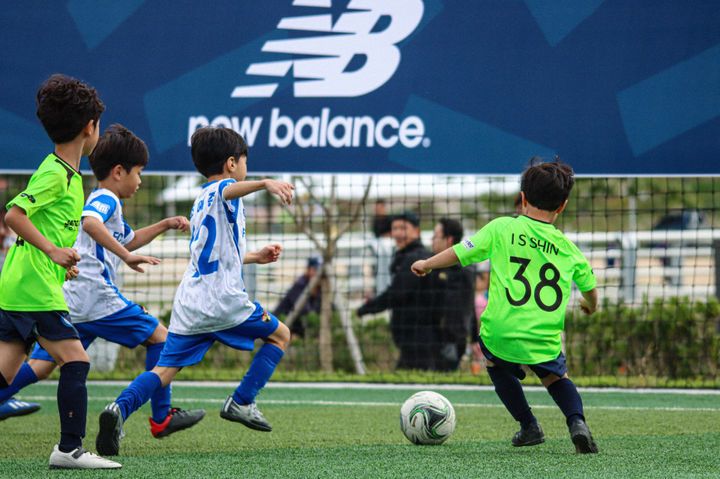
(97, 308)
(45, 217)
(533, 268)
(211, 303)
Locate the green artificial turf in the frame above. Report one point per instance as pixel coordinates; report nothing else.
(354, 432)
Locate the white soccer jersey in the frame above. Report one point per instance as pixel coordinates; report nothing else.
(93, 294)
(211, 296)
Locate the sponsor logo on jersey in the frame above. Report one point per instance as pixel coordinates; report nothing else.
(71, 225)
(468, 244)
(101, 207)
(30, 198)
(347, 57)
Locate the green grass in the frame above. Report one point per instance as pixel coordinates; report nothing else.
(354, 432)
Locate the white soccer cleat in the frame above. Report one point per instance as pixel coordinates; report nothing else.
(80, 458)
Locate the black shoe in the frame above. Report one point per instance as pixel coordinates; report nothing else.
(110, 431)
(581, 437)
(176, 420)
(528, 436)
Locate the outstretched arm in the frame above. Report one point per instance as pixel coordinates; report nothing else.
(282, 189)
(145, 235)
(441, 260)
(18, 220)
(268, 254)
(589, 301)
(97, 231)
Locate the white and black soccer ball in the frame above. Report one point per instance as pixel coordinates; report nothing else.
(427, 418)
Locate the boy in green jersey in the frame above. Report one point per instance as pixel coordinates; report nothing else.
(533, 268)
(45, 217)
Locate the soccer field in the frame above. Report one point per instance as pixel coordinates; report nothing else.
(352, 430)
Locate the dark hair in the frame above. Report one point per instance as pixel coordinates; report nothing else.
(409, 216)
(117, 146)
(452, 229)
(65, 106)
(547, 184)
(212, 146)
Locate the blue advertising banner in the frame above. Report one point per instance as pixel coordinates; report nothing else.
(431, 86)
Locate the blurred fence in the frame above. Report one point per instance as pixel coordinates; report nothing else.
(654, 244)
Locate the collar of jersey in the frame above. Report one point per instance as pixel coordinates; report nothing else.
(66, 163)
(538, 221)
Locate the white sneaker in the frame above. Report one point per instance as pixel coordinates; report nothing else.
(80, 459)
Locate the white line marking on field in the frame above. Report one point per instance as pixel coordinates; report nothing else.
(438, 387)
(301, 402)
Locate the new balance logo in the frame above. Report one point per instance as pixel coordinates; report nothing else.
(330, 69)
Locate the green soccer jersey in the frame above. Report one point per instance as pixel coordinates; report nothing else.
(53, 201)
(533, 268)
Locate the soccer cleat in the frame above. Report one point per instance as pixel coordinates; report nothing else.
(581, 437)
(247, 414)
(110, 431)
(80, 458)
(13, 407)
(176, 420)
(528, 436)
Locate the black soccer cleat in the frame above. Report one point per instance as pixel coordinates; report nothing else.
(110, 431)
(176, 420)
(581, 437)
(528, 436)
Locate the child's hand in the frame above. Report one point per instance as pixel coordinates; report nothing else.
(179, 223)
(135, 260)
(71, 273)
(65, 257)
(269, 254)
(282, 189)
(586, 307)
(418, 267)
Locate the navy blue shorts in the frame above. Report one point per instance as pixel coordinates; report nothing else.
(557, 366)
(129, 327)
(25, 326)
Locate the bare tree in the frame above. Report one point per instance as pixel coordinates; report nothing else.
(333, 227)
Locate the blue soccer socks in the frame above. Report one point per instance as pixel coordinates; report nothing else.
(510, 392)
(568, 399)
(262, 367)
(138, 393)
(160, 400)
(72, 404)
(24, 377)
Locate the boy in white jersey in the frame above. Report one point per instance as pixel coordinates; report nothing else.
(97, 308)
(211, 303)
(533, 268)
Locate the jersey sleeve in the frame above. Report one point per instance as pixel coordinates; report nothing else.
(128, 233)
(230, 206)
(583, 276)
(101, 207)
(42, 191)
(476, 248)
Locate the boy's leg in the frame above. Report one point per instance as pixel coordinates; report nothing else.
(510, 392)
(240, 407)
(9, 406)
(72, 391)
(160, 400)
(566, 396)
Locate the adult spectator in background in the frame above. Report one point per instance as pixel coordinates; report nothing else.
(454, 301)
(313, 303)
(409, 300)
(382, 223)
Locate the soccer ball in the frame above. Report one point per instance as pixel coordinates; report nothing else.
(427, 418)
